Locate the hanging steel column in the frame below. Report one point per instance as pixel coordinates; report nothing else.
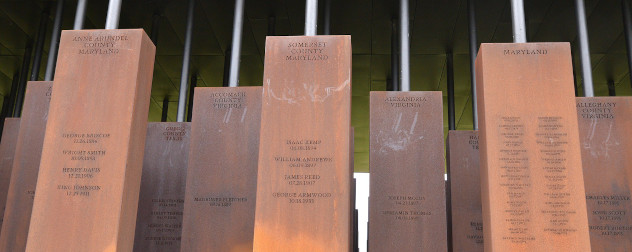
(451, 126)
(238, 21)
(327, 18)
(9, 101)
(191, 96)
(404, 47)
(612, 90)
(394, 57)
(24, 71)
(450, 79)
(517, 15)
(39, 46)
(627, 24)
(226, 74)
(54, 42)
(584, 51)
(271, 26)
(473, 52)
(80, 14)
(311, 17)
(575, 85)
(155, 26)
(165, 109)
(114, 13)
(182, 98)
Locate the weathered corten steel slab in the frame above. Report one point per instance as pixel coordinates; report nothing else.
(7, 152)
(303, 183)
(89, 181)
(221, 184)
(161, 201)
(532, 184)
(604, 133)
(407, 203)
(28, 150)
(467, 216)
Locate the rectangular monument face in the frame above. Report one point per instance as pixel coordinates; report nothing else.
(604, 133)
(467, 216)
(407, 203)
(89, 179)
(7, 152)
(303, 182)
(531, 177)
(161, 201)
(221, 185)
(28, 150)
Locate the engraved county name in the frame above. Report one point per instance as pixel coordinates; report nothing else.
(526, 52)
(307, 51)
(405, 102)
(228, 100)
(99, 44)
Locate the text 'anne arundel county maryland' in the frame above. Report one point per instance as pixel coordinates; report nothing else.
(99, 44)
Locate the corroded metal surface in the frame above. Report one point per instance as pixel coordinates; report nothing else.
(161, 200)
(604, 131)
(303, 182)
(88, 186)
(28, 151)
(7, 152)
(532, 183)
(407, 203)
(467, 216)
(221, 181)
